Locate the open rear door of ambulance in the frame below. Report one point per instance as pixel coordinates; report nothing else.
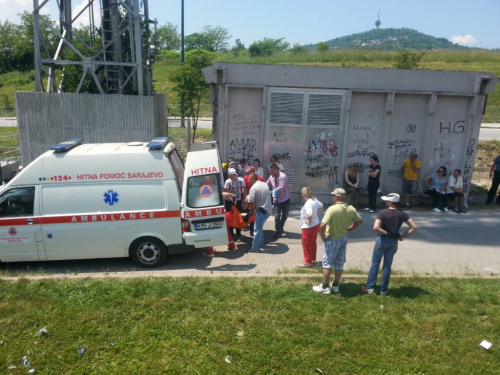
(202, 209)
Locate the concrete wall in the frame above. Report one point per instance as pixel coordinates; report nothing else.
(387, 112)
(46, 119)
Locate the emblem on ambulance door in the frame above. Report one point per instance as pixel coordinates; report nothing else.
(12, 231)
(111, 197)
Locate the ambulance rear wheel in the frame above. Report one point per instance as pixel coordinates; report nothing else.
(148, 252)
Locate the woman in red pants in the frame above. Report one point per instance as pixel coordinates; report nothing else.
(309, 222)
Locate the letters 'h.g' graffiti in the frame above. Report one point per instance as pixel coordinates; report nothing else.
(242, 148)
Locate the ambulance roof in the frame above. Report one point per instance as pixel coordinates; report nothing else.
(100, 162)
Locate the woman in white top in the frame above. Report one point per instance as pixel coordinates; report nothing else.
(309, 222)
(259, 171)
(455, 191)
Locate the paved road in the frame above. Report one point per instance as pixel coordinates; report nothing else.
(445, 244)
(489, 134)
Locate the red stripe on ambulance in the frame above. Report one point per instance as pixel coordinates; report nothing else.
(202, 213)
(117, 216)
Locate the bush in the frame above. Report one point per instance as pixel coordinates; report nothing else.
(169, 55)
(407, 59)
(323, 46)
(298, 49)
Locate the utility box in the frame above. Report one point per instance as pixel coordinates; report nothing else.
(318, 120)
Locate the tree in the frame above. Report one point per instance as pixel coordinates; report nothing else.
(267, 46)
(212, 38)
(8, 37)
(167, 38)
(322, 47)
(196, 41)
(238, 47)
(407, 59)
(189, 82)
(218, 38)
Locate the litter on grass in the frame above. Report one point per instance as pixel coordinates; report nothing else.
(82, 351)
(485, 344)
(42, 331)
(319, 371)
(31, 371)
(492, 271)
(26, 363)
(11, 367)
(228, 359)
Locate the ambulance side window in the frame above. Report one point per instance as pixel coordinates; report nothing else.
(178, 166)
(204, 191)
(17, 202)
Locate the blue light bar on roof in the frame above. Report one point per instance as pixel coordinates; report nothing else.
(69, 144)
(158, 142)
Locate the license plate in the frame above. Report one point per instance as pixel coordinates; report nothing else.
(212, 225)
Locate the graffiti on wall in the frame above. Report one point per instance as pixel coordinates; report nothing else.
(362, 145)
(323, 170)
(469, 163)
(245, 125)
(458, 127)
(402, 149)
(318, 150)
(244, 148)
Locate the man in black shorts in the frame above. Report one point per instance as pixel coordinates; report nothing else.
(387, 226)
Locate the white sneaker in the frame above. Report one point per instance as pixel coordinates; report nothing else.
(335, 288)
(446, 209)
(366, 209)
(436, 209)
(320, 289)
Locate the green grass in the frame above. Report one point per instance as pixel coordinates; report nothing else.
(266, 326)
(8, 141)
(178, 136)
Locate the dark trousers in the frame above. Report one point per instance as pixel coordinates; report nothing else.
(372, 194)
(280, 215)
(437, 196)
(494, 186)
(239, 206)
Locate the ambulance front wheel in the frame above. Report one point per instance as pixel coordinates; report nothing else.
(148, 252)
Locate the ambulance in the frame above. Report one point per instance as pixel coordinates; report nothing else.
(106, 200)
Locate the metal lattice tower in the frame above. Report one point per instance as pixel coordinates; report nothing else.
(100, 52)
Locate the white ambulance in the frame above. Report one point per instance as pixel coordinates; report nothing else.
(136, 199)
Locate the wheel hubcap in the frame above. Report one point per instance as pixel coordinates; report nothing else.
(148, 253)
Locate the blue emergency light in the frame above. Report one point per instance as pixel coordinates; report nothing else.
(69, 144)
(157, 143)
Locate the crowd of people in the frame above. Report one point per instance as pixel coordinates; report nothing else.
(246, 189)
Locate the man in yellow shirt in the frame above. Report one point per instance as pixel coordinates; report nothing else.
(339, 219)
(409, 172)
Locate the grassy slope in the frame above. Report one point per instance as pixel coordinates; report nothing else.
(266, 326)
(481, 61)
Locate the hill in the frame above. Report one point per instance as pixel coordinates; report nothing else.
(390, 40)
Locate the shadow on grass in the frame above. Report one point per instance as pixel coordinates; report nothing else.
(350, 290)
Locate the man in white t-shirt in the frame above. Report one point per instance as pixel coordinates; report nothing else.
(235, 185)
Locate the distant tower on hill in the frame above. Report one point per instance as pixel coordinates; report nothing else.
(377, 22)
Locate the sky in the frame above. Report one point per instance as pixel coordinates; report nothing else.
(473, 23)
